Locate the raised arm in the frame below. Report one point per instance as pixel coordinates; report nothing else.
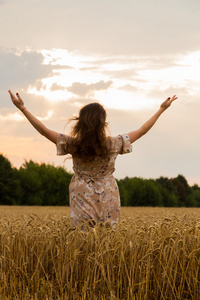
(37, 124)
(136, 134)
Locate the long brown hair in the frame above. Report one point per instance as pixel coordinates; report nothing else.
(89, 132)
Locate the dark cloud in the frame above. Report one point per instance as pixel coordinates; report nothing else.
(20, 71)
(83, 89)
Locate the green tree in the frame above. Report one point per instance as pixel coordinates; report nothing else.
(41, 184)
(183, 190)
(193, 199)
(168, 191)
(10, 188)
(44, 184)
(123, 192)
(141, 192)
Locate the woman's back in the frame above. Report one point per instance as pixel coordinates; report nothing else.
(93, 190)
(99, 166)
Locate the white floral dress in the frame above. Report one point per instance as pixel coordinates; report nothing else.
(93, 190)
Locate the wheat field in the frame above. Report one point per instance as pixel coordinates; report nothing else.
(153, 253)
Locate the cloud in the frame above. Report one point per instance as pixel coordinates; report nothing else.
(129, 88)
(155, 62)
(37, 104)
(129, 67)
(83, 89)
(121, 74)
(133, 45)
(21, 70)
(169, 149)
(12, 117)
(107, 27)
(164, 93)
(56, 87)
(135, 60)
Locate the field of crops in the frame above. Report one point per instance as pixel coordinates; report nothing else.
(154, 253)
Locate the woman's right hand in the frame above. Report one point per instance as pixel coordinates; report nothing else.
(17, 101)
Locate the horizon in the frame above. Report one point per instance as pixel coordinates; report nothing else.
(130, 62)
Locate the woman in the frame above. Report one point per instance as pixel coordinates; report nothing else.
(93, 190)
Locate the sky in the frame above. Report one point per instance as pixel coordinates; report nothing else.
(128, 55)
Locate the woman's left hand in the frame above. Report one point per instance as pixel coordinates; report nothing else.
(168, 102)
(17, 101)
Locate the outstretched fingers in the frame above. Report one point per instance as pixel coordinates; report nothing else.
(12, 96)
(168, 102)
(18, 96)
(17, 100)
(172, 98)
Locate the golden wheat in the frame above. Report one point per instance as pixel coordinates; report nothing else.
(153, 253)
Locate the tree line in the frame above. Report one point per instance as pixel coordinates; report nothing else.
(45, 184)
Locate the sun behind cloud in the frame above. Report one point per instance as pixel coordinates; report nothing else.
(118, 82)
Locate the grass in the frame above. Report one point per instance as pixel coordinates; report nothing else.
(153, 253)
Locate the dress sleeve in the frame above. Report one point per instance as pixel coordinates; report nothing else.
(125, 143)
(63, 144)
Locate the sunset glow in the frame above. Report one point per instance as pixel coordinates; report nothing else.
(129, 57)
(123, 93)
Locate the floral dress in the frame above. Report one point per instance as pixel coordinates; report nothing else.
(93, 190)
